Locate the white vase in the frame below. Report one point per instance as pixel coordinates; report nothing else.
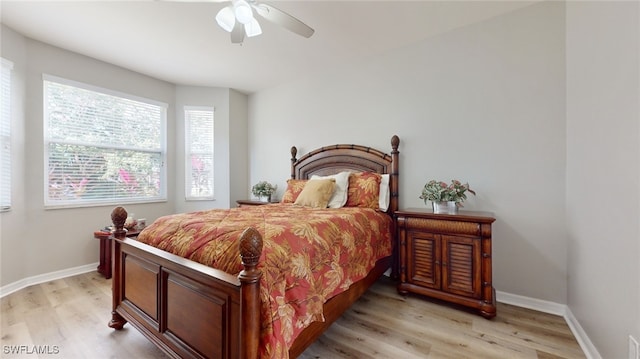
(447, 207)
(265, 198)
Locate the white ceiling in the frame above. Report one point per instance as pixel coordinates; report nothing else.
(181, 43)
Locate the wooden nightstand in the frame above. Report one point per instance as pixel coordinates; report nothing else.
(104, 267)
(248, 202)
(448, 257)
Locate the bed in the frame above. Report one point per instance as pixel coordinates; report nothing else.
(192, 310)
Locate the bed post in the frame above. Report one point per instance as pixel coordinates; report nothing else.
(250, 308)
(294, 152)
(395, 142)
(118, 217)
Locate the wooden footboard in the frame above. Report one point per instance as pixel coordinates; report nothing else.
(190, 310)
(187, 309)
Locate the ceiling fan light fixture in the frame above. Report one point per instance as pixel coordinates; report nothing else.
(243, 12)
(253, 28)
(226, 19)
(238, 19)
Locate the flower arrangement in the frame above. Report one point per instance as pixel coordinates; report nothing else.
(263, 189)
(437, 191)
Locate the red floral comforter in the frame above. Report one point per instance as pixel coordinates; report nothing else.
(309, 256)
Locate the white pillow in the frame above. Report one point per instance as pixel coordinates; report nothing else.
(385, 193)
(339, 197)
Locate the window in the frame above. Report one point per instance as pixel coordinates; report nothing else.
(102, 147)
(199, 152)
(5, 136)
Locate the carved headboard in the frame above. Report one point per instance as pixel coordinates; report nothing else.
(330, 160)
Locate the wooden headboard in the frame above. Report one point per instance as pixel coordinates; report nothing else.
(330, 160)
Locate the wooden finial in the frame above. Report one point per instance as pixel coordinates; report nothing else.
(118, 217)
(395, 142)
(250, 248)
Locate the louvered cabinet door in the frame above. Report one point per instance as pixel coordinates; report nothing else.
(424, 258)
(461, 266)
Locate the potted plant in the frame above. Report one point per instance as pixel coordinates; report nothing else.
(445, 198)
(263, 190)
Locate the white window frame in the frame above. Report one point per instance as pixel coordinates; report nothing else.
(162, 194)
(188, 152)
(6, 168)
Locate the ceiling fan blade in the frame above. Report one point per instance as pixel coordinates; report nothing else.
(283, 19)
(253, 28)
(237, 34)
(226, 19)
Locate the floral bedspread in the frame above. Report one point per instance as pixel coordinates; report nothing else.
(309, 255)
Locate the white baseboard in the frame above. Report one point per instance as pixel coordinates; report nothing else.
(587, 346)
(42, 278)
(531, 303)
(562, 310)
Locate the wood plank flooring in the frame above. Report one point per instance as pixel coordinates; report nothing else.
(67, 318)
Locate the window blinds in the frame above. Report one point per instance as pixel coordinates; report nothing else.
(5, 135)
(101, 147)
(199, 152)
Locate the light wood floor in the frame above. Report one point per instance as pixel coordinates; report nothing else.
(68, 318)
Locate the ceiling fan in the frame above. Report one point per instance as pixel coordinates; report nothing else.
(238, 19)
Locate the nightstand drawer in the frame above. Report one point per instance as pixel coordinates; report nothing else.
(443, 226)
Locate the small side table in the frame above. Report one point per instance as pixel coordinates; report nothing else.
(248, 202)
(104, 267)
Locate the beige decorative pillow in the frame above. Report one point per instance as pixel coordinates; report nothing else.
(316, 193)
(339, 197)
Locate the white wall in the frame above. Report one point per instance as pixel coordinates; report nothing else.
(483, 104)
(230, 136)
(13, 249)
(210, 97)
(238, 147)
(35, 241)
(603, 171)
(219, 99)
